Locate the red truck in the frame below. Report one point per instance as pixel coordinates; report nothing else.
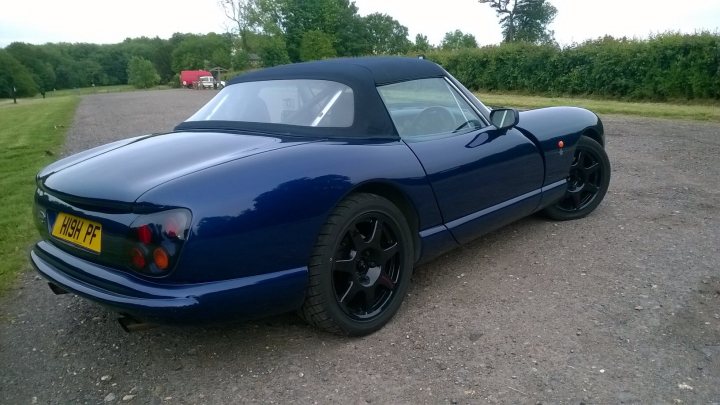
(189, 78)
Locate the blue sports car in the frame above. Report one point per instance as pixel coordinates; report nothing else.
(313, 187)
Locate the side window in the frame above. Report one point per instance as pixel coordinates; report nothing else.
(428, 106)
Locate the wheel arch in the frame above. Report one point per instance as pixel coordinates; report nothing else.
(396, 196)
(593, 134)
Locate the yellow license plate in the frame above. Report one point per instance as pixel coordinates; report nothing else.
(78, 231)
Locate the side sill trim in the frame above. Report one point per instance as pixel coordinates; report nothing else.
(475, 215)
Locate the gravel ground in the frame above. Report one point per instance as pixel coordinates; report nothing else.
(619, 307)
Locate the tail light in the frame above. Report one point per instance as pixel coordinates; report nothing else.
(156, 240)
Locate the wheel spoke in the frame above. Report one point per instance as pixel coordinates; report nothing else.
(594, 167)
(349, 294)
(357, 239)
(375, 233)
(576, 198)
(370, 297)
(579, 156)
(389, 252)
(346, 266)
(591, 188)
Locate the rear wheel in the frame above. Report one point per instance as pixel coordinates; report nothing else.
(588, 182)
(360, 268)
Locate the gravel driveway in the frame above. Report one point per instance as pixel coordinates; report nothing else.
(619, 307)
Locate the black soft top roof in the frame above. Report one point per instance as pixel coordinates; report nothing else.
(362, 75)
(378, 70)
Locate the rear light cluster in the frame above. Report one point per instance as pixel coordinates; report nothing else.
(156, 239)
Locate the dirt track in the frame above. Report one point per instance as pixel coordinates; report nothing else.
(620, 307)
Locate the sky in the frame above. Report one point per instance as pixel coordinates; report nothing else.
(101, 21)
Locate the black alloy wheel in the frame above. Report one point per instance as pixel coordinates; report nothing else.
(361, 267)
(366, 266)
(587, 182)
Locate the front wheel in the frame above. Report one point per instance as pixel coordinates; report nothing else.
(360, 268)
(588, 182)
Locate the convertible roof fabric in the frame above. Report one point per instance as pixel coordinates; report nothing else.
(362, 75)
(378, 70)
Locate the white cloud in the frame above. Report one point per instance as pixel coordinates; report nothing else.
(579, 20)
(107, 21)
(436, 18)
(42, 21)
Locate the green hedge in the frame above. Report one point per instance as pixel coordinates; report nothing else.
(667, 66)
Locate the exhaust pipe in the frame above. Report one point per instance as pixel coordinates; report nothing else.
(56, 289)
(130, 324)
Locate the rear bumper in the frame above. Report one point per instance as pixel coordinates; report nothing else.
(241, 298)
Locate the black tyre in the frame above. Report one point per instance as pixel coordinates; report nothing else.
(360, 268)
(588, 182)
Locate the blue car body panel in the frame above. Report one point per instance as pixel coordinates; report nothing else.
(259, 200)
(479, 173)
(244, 297)
(548, 126)
(147, 162)
(279, 202)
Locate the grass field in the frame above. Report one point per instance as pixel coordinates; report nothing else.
(121, 88)
(31, 135)
(700, 112)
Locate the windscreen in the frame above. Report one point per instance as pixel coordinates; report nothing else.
(307, 103)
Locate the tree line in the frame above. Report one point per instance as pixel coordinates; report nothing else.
(307, 30)
(265, 33)
(271, 32)
(34, 69)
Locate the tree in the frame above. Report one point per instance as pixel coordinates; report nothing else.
(45, 78)
(337, 18)
(37, 62)
(385, 35)
(316, 45)
(75, 65)
(243, 14)
(142, 73)
(201, 52)
(114, 60)
(272, 50)
(66, 75)
(156, 50)
(90, 72)
(421, 43)
(458, 40)
(267, 17)
(14, 74)
(525, 20)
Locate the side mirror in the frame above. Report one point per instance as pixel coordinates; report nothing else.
(504, 118)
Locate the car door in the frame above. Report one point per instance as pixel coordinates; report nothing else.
(482, 177)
